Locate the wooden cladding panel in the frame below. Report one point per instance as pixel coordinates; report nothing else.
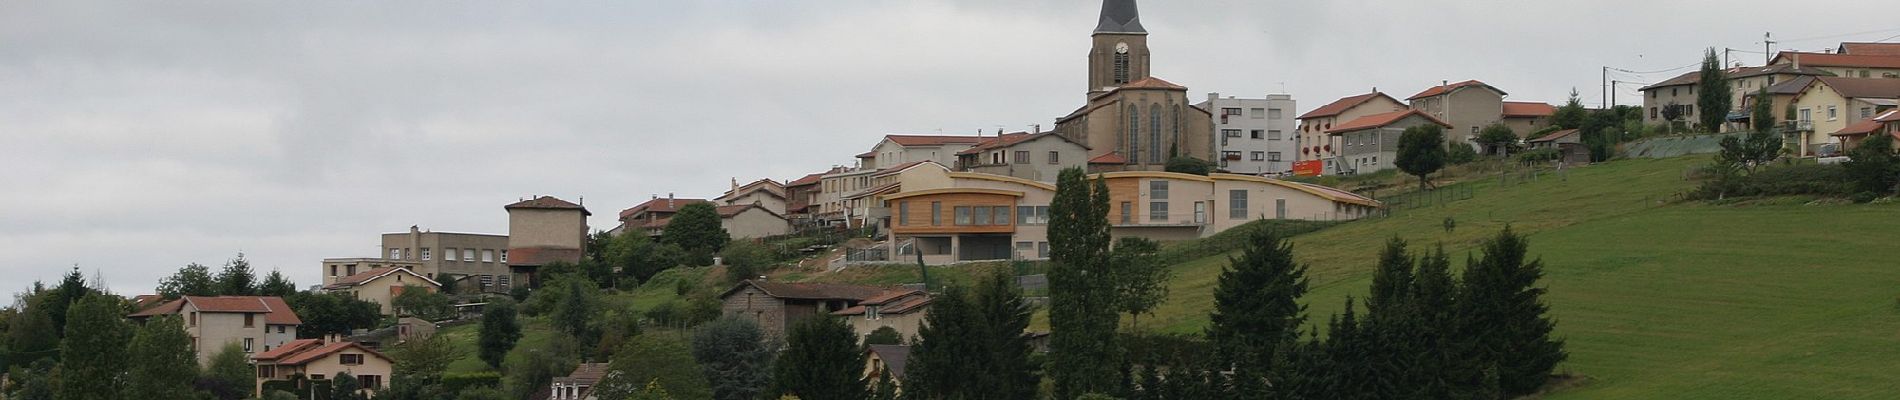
(919, 213)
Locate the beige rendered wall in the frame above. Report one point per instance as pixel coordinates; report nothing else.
(1470, 110)
(763, 199)
(754, 223)
(1816, 101)
(1039, 168)
(380, 291)
(1657, 98)
(1312, 132)
(559, 228)
(905, 324)
(214, 330)
(438, 244)
(331, 365)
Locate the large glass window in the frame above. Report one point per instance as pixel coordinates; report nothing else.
(1158, 190)
(982, 216)
(903, 213)
(1128, 212)
(1000, 215)
(1032, 215)
(963, 215)
(1158, 211)
(936, 213)
(1237, 204)
(488, 255)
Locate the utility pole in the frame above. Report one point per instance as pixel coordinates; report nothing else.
(1604, 102)
(1768, 55)
(1612, 94)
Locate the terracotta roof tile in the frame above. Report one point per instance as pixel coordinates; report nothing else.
(280, 312)
(319, 352)
(1689, 78)
(812, 179)
(374, 273)
(1876, 88)
(1152, 83)
(234, 304)
(1863, 127)
(547, 203)
(288, 348)
(1343, 104)
(1791, 86)
(1553, 136)
(275, 310)
(1528, 109)
(1837, 60)
(1870, 49)
(1380, 120)
(662, 204)
(585, 373)
(1113, 157)
(1448, 88)
(930, 140)
(165, 308)
(1776, 69)
(810, 291)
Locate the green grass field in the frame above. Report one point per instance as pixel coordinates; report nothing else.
(1657, 299)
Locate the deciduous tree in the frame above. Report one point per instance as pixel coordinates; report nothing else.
(163, 366)
(93, 353)
(696, 229)
(499, 332)
(822, 360)
(1422, 152)
(190, 280)
(664, 361)
(735, 357)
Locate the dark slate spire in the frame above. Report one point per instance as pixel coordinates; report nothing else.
(1119, 16)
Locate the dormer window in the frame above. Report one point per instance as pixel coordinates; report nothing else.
(870, 313)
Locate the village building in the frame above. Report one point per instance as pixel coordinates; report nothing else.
(1371, 143)
(902, 310)
(776, 306)
(543, 230)
(381, 286)
(1032, 156)
(765, 193)
(254, 323)
(1145, 119)
(1319, 152)
(578, 385)
(323, 359)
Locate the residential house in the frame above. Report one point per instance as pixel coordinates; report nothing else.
(1831, 104)
(323, 359)
(765, 193)
(649, 215)
(896, 150)
(1525, 117)
(1128, 110)
(776, 306)
(1747, 82)
(1781, 97)
(478, 262)
(880, 359)
(1468, 106)
(902, 310)
(801, 199)
(1032, 156)
(1569, 146)
(1869, 49)
(1255, 136)
(834, 187)
(381, 285)
(543, 230)
(1844, 65)
(578, 385)
(955, 217)
(752, 221)
(1318, 151)
(255, 323)
(1887, 123)
(1677, 93)
(1371, 143)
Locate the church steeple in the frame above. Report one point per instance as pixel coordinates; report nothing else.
(1119, 16)
(1120, 51)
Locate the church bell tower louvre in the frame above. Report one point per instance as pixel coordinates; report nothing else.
(1119, 54)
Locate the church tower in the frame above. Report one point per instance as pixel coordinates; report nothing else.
(1120, 52)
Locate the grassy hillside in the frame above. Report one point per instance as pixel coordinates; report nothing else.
(1770, 299)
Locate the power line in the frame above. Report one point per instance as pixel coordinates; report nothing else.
(1785, 41)
(1696, 64)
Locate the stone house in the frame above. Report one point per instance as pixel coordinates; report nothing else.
(901, 310)
(776, 306)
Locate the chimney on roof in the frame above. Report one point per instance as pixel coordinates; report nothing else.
(735, 184)
(669, 200)
(1037, 128)
(1444, 82)
(1797, 61)
(1211, 96)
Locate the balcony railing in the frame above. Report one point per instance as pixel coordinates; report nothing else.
(1184, 220)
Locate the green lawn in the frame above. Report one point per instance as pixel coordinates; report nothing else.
(1766, 299)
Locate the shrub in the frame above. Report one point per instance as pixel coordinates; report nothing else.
(1539, 155)
(457, 382)
(1779, 180)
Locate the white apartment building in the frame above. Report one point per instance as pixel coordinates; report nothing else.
(1253, 136)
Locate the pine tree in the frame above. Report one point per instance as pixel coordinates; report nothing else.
(1003, 317)
(822, 360)
(1446, 372)
(92, 356)
(237, 279)
(499, 332)
(949, 350)
(1256, 302)
(1712, 93)
(163, 366)
(886, 388)
(734, 355)
(1392, 282)
(1082, 316)
(275, 284)
(1501, 308)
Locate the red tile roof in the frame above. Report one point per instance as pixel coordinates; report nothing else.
(1003, 140)
(930, 140)
(1380, 120)
(1448, 88)
(809, 291)
(1343, 104)
(319, 352)
(1553, 136)
(533, 256)
(1836, 60)
(1528, 109)
(288, 348)
(1151, 83)
(734, 210)
(140, 302)
(662, 204)
(1688, 78)
(374, 273)
(867, 154)
(275, 310)
(547, 203)
(1874, 88)
(1870, 49)
(1863, 127)
(812, 179)
(1113, 157)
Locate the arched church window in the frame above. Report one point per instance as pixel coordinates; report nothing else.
(1154, 133)
(1133, 129)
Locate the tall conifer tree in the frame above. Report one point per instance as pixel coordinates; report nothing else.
(1502, 308)
(1082, 314)
(1256, 302)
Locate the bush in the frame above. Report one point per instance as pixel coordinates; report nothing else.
(1780, 180)
(457, 382)
(1459, 153)
(1189, 165)
(745, 260)
(1539, 155)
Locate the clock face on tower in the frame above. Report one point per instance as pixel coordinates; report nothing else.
(1121, 48)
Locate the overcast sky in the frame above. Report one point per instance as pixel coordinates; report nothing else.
(137, 137)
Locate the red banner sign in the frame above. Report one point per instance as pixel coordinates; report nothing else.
(1308, 168)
